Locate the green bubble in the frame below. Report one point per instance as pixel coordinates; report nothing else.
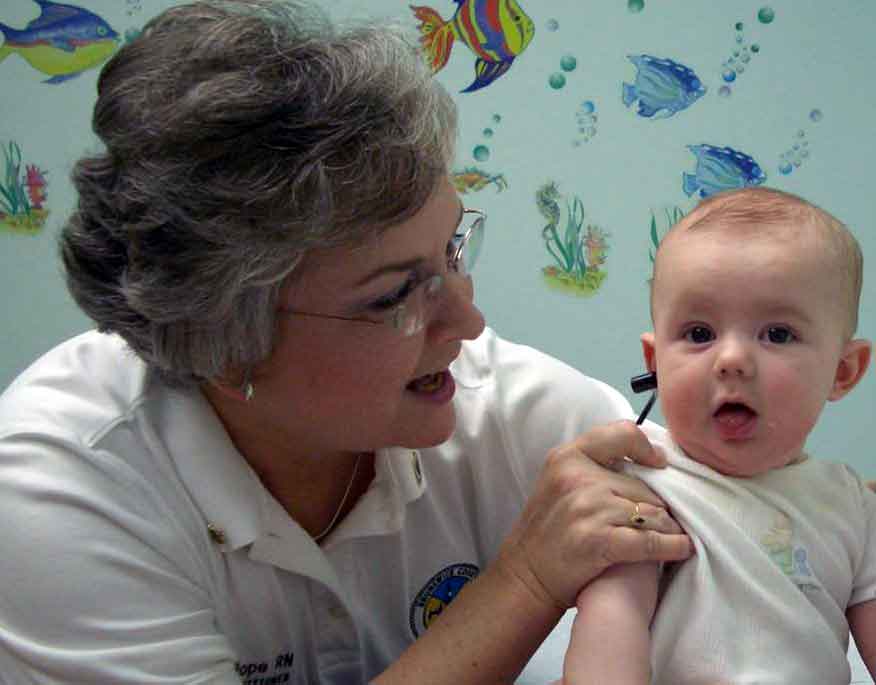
(481, 153)
(497, 118)
(488, 133)
(635, 5)
(755, 48)
(557, 80)
(739, 26)
(766, 15)
(568, 63)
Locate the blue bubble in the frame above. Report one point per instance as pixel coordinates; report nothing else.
(568, 63)
(729, 75)
(552, 25)
(816, 115)
(588, 107)
(481, 153)
(724, 91)
(557, 80)
(786, 168)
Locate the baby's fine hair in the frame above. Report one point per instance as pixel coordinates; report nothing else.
(239, 135)
(768, 209)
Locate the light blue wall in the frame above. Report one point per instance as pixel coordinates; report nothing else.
(813, 55)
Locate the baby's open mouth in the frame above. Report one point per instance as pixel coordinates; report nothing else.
(733, 414)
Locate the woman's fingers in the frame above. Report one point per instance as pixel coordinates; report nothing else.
(645, 516)
(610, 444)
(631, 544)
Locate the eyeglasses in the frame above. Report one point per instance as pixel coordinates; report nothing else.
(409, 316)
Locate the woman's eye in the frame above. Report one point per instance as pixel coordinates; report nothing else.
(699, 335)
(396, 297)
(779, 335)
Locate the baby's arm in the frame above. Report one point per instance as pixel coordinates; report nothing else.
(611, 641)
(862, 621)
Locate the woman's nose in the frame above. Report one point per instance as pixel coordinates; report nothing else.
(456, 316)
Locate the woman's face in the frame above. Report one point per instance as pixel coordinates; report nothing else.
(340, 385)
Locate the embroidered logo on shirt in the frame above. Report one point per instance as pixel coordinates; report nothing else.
(436, 594)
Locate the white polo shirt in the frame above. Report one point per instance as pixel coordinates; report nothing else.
(139, 547)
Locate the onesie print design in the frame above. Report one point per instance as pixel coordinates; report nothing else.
(789, 556)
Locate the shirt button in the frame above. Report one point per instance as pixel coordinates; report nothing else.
(418, 469)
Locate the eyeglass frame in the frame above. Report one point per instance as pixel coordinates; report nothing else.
(395, 317)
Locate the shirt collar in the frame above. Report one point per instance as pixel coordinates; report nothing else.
(238, 508)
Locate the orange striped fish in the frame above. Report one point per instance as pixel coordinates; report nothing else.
(496, 31)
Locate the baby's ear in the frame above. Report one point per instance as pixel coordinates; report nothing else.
(851, 368)
(648, 351)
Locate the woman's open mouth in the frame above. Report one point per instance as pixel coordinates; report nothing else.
(438, 387)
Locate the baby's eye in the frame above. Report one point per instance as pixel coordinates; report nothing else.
(699, 335)
(779, 335)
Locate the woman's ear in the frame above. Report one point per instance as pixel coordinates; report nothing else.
(851, 368)
(648, 351)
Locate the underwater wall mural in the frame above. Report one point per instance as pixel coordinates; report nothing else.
(496, 31)
(585, 131)
(579, 251)
(662, 87)
(62, 42)
(472, 179)
(23, 193)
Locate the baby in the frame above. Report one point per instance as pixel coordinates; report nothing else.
(754, 303)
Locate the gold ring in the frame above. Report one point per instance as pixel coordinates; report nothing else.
(636, 518)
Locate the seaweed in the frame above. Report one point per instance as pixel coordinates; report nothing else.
(13, 194)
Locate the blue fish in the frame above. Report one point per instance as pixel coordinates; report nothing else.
(662, 87)
(720, 168)
(62, 42)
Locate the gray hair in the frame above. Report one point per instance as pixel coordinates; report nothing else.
(239, 135)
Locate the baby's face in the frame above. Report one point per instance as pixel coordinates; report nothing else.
(747, 341)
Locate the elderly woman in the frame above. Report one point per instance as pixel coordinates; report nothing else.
(291, 443)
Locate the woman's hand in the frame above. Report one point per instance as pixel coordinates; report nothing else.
(578, 521)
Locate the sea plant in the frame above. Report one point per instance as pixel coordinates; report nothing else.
(13, 195)
(672, 216)
(568, 250)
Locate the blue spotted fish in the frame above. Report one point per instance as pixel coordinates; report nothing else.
(720, 168)
(663, 87)
(62, 42)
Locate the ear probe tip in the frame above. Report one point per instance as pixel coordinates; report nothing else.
(643, 383)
